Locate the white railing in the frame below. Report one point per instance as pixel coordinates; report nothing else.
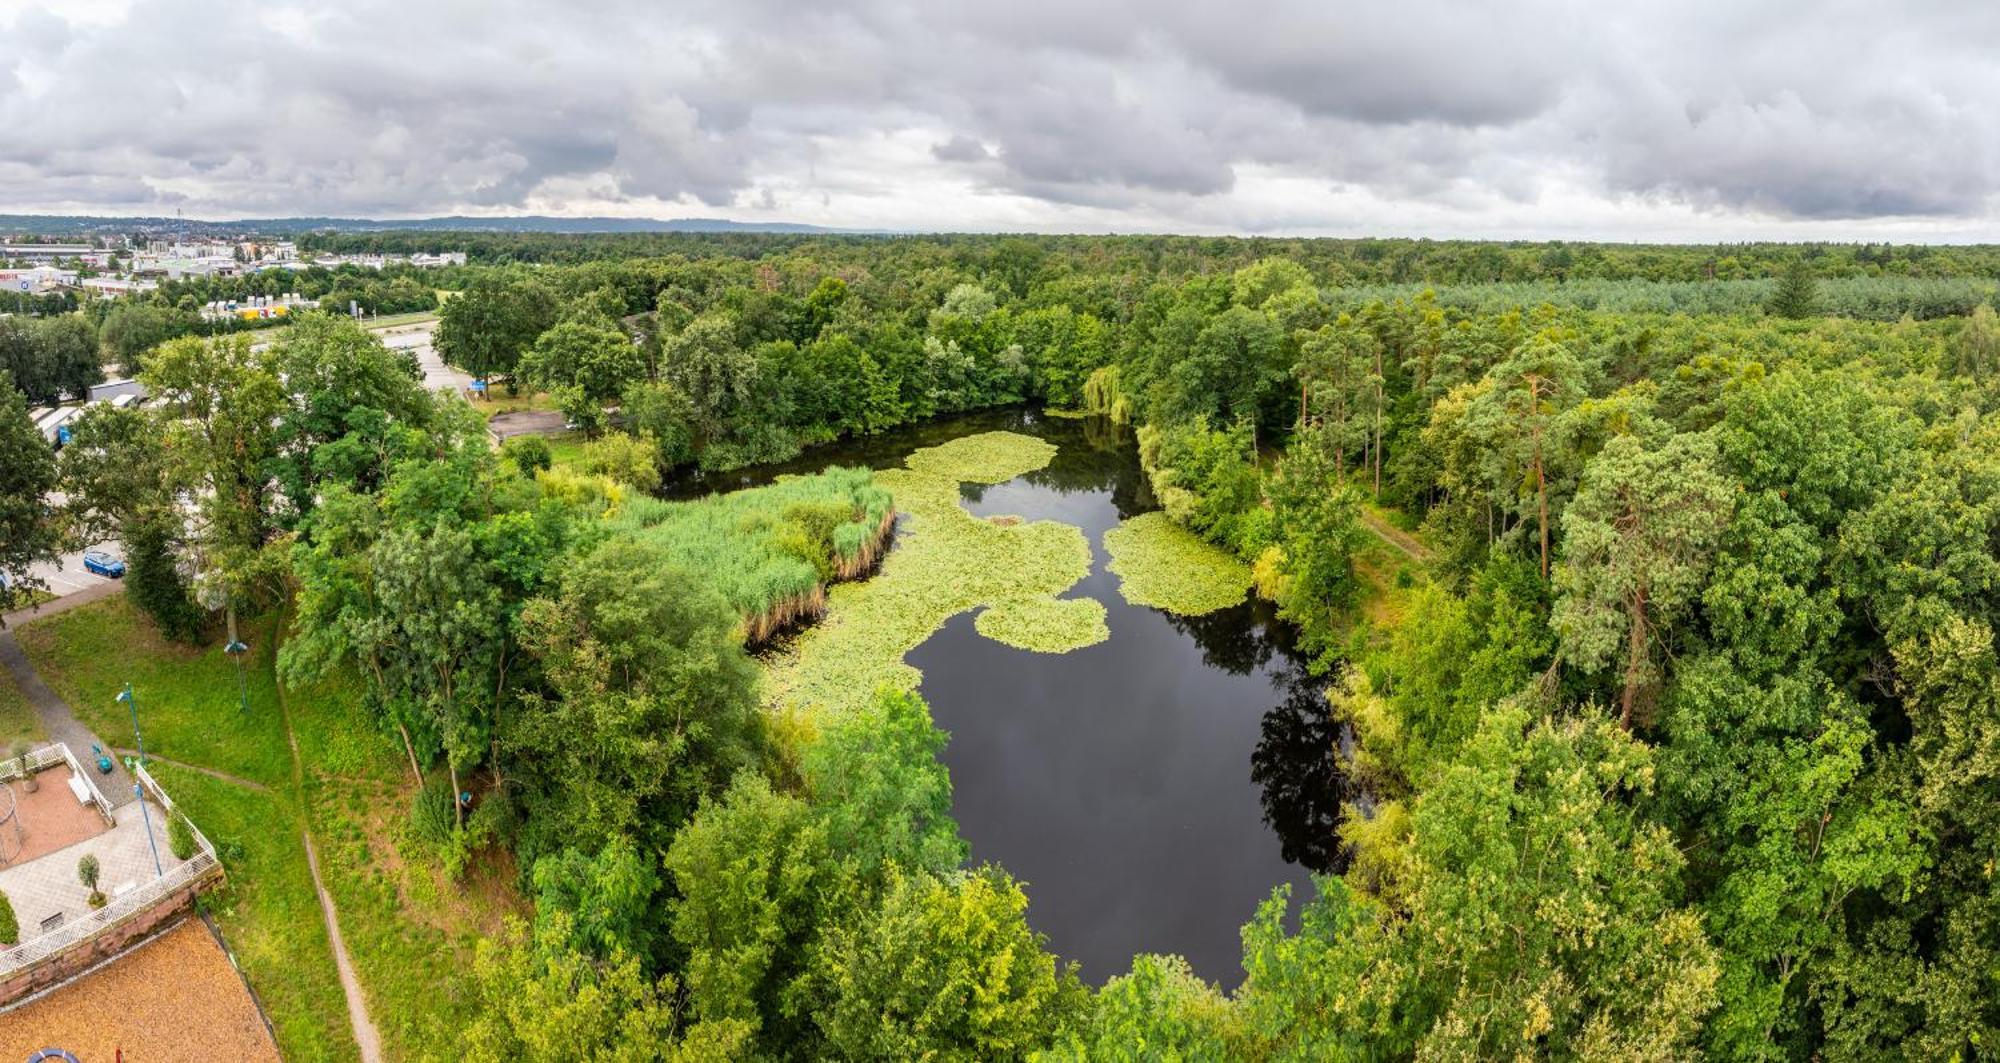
(120, 909)
(200, 840)
(33, 761)
(132, 904)
(89, 782)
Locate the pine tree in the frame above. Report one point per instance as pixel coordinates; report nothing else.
(1797, 295)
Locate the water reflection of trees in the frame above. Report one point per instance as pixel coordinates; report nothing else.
(1298, 767)
(1242, 638)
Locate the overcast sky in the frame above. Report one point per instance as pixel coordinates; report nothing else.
(1676, 120)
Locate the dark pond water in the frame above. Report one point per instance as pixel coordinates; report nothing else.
(1151, 790)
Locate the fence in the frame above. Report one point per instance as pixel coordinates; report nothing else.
(146, 779)
(132, 905)
(49, 756)
(33, 761)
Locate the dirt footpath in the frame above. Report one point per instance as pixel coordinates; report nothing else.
(173, 998)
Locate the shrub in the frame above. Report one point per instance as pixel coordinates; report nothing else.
(530, 454)
(180, 837)
(627, 459)
(432, 817)
(10, 927)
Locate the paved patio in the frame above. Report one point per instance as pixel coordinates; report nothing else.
(50, 817)
(45, 891)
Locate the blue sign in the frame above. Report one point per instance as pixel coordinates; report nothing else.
(479, 386)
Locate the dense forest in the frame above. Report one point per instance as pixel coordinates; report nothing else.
(1688, 746)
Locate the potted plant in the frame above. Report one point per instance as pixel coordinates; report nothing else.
(86, 872)
(20, 752)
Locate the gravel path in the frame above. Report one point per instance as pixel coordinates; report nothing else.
(366, 1036)
(506, 426)
(1394, 536)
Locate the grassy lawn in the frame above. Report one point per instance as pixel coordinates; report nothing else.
(392, 320)
(409, 931)
(18, 722)
(498, 402)
(566, 449)
(269, 913)
(188, 700)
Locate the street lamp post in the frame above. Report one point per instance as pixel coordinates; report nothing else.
(237, 649)
(133, 704)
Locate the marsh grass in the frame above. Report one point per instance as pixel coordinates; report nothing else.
(946, 562)
(772, 551)
(1161, 564)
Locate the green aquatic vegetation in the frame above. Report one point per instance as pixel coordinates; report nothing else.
(772, 550)
(1161, 564)
(946, 562)
(1045, 625)
(982, 458)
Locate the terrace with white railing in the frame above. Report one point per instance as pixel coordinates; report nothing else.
(137, 868)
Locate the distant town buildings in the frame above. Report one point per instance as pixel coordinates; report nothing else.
(116, 287)
(47, 268)
(36, 280)
(257, 307)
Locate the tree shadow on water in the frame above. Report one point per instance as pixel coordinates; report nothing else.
(1297, 764)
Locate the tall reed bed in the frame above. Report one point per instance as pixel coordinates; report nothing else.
(773, 550)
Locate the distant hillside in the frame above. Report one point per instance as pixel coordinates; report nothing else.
(70, 225)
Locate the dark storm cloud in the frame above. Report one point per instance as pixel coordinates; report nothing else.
(233, 106)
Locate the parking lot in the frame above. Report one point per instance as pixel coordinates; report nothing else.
(67, 574)
(417, 340)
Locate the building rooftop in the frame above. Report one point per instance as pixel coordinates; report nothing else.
(46, 831)
(44, 888)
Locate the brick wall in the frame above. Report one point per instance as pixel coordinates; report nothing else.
(99, 947)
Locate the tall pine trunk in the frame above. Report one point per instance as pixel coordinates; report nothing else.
(457, 806)
(1542, 503)
(1635, 660)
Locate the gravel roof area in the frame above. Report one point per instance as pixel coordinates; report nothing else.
(176, 997)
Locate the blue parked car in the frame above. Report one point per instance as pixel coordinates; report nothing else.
(103, 564)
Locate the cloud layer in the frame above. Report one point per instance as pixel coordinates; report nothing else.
(1535, 117)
